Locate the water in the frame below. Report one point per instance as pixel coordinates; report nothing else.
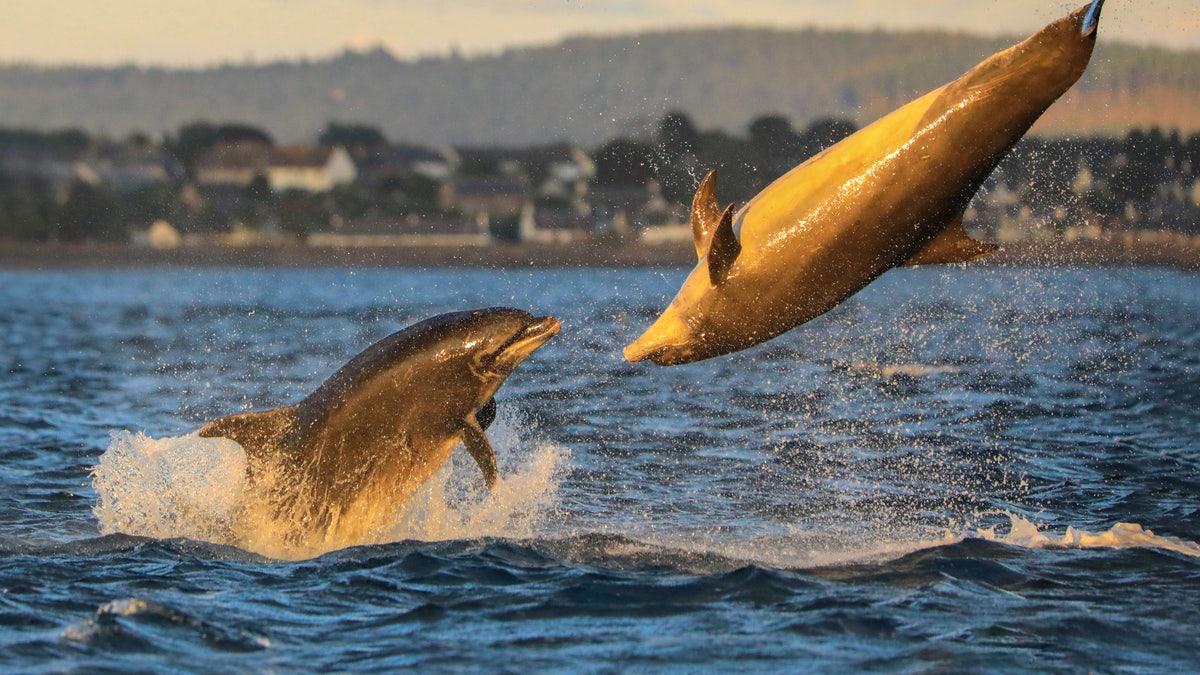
(971, 469)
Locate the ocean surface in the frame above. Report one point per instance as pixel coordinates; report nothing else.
(958, 470)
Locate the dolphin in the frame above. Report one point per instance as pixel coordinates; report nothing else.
(339, 463)
(890, 195)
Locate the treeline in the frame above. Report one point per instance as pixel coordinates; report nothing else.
(69, 186)
(587, 90)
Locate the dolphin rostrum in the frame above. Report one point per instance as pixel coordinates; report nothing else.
(892, 194)
(339, 463)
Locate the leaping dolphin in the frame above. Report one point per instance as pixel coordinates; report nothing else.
(337, 464)
(892, 194)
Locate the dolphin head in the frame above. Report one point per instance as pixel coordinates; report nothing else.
(692, 328)
(695, 325)
(469, 354)
(509, 336)
(490, 343)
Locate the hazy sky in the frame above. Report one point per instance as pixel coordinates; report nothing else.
(205, 32)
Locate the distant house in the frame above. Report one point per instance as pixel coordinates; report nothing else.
(553, 170)
(311, 169)
(127, 167)
(115, 167)
(410, 231)
(628, 209)
(379, 163)
(159, 236)
(492, 196)
(233, 164)
(673, 228)
(553, 226)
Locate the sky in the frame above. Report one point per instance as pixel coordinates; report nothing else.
(199, 33)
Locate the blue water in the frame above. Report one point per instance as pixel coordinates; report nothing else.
(974, 469)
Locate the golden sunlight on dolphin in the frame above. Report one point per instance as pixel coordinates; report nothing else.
(891, 195)
(336, 467)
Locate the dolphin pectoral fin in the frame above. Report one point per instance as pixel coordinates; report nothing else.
(486, 413)
(951, 245)
(724, 249)
(706, 212)
(256, 431)
(477, 444)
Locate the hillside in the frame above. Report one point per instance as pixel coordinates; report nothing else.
(588, 90)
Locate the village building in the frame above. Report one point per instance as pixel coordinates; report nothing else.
(310, 169)
(546, 225)
(160, 236)
(377, 164)
(487, 196)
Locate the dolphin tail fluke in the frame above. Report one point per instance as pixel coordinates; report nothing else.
(256, 432)
(1091, 20)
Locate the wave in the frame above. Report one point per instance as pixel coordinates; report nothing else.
(197, 488)
(191, 488)
(138, 625)
(1026, 534)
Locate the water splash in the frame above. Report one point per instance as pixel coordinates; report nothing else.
(182, 486)
(1026, 534)
(196, 488)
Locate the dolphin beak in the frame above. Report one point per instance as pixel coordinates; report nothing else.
(527, 341)
(540, 331)
(660, 343)
(639, 350)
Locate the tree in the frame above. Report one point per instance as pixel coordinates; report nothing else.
(242, 133)
(89, 213)
(25, 206)
(773, 136)
(677, 136)
(352, 136)
(625, 162)
(823, 133)
(190, 142)
(300, 212)
(409, 192)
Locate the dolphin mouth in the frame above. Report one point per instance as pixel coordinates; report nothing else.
(662, 355)
(525, 341)
(634, 353)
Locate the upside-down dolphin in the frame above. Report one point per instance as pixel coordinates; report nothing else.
(340, 462)
(892, 194)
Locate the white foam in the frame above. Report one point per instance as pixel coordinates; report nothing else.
(193, 487)
(182, 486)
(1026, 534)
(803, 548)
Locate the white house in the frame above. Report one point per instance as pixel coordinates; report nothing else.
(292, 168)
(310, 169)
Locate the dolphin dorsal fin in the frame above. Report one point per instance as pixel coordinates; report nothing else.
(256, 432)
(724, 248)
(706, 212)
(951, 245)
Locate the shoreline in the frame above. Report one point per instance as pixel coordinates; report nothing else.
(35, 257)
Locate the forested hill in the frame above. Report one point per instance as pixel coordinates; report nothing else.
(588, 90)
